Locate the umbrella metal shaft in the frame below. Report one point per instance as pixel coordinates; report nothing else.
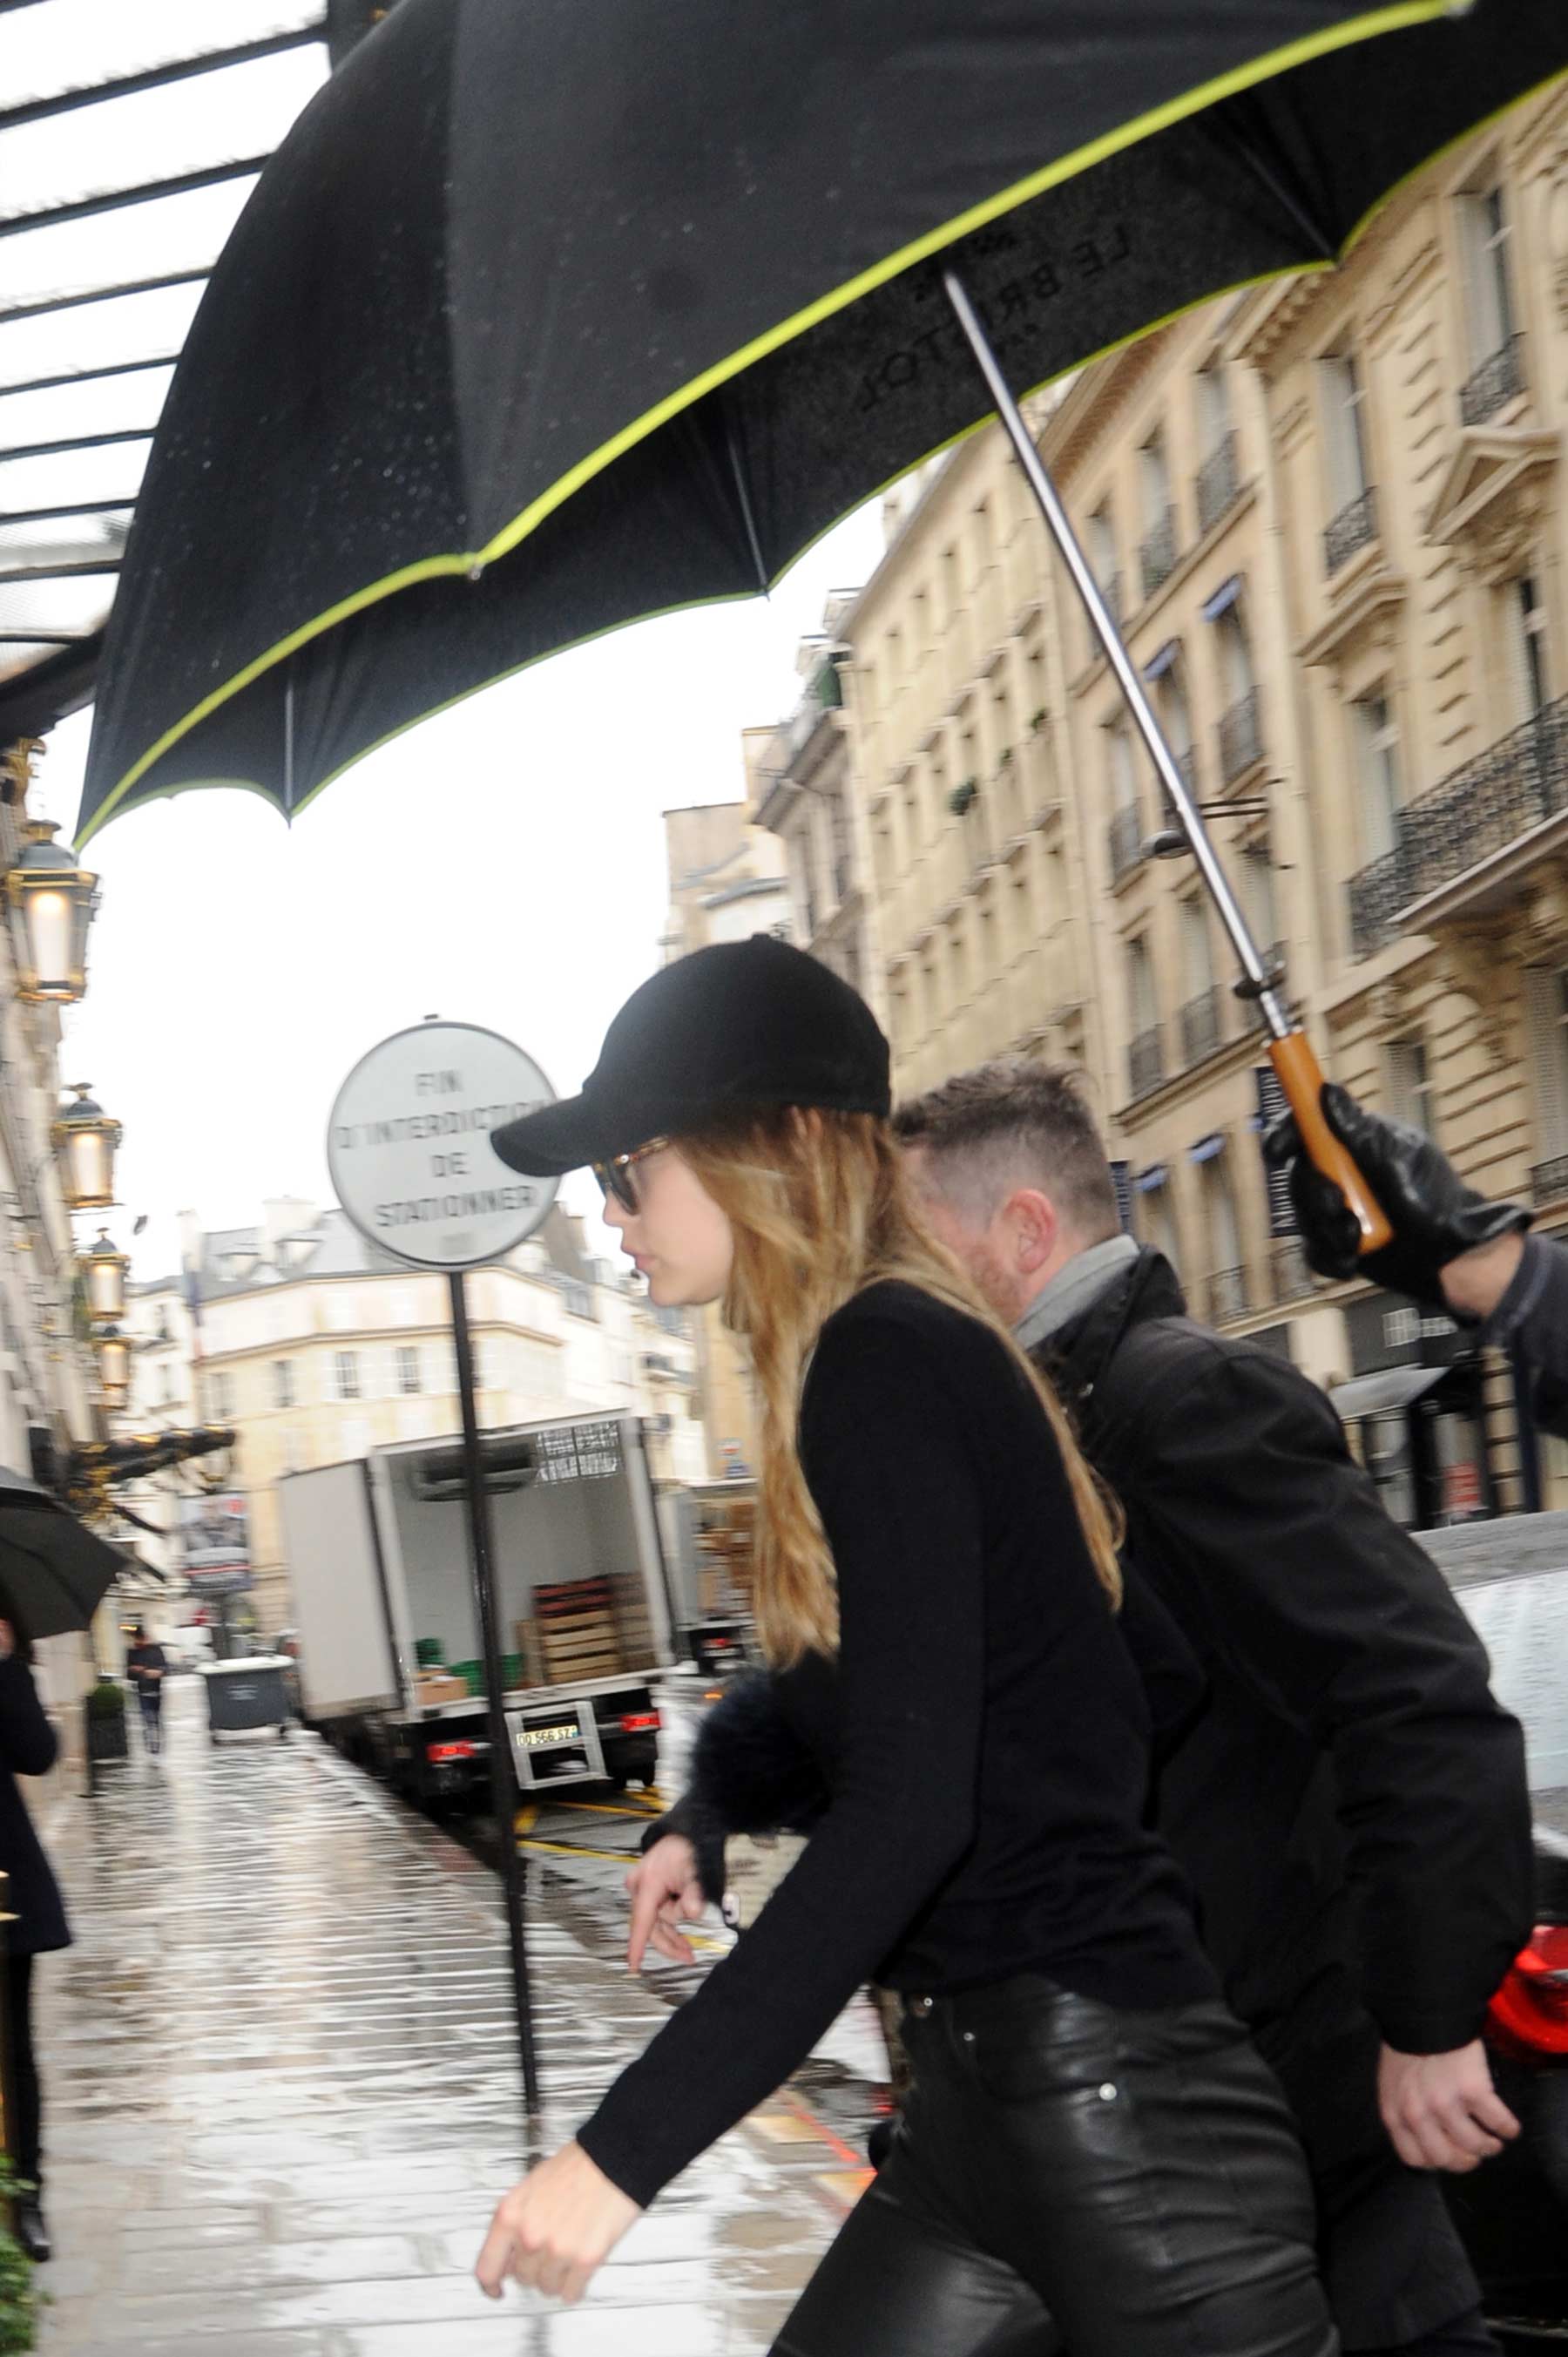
(1257, 985)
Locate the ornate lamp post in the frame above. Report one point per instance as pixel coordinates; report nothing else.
(52, 902)
(104, 1269)
(85, 1139)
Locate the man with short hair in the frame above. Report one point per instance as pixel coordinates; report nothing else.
(1350, 1802)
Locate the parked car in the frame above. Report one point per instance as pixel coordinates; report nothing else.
(1511, 1576)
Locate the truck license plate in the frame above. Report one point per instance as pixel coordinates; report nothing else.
(540, 1739)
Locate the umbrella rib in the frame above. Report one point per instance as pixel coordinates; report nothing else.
(743, 495)
(1246, 150)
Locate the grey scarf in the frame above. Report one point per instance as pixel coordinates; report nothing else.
(1073, 1289)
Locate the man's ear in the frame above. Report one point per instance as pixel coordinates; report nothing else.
(1033, 1228)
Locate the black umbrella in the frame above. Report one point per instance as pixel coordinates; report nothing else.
(54, 1571)
(546, 319)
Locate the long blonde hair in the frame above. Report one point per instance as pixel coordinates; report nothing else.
(820, 1208)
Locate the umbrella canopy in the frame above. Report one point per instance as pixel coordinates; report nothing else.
(542, 320)
(54, 1571)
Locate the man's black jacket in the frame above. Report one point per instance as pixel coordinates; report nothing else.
(1350, 1803)
(1532, 1317)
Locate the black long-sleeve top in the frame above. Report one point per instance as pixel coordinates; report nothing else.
(983, 1733)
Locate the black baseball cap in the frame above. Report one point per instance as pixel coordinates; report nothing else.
(743, 1024)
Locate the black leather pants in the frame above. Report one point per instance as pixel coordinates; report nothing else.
(1131, 2180)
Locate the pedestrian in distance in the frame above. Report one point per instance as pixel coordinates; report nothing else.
(936, 1589)
(1350, 1803)
(147, 1666)
(1450, 1248)
(27, 1748)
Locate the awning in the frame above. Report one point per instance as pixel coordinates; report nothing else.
(1207, 1147)
(1157, 665)
(1147, 1180)
(129, 139)
(1223, 600)
(1390, 1388)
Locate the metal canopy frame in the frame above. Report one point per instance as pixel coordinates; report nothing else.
(129, 141)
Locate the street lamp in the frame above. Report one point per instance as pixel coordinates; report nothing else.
(52, 902)
(114, 1367)
(106, 1272)
(85, 1139)
(1171, 842)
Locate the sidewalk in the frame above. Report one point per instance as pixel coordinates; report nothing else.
(282, 2095)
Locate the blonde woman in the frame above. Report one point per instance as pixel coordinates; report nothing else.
(1089, 2134)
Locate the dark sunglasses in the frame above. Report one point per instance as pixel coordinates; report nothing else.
(617, 1177)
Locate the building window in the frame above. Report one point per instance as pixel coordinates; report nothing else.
(1258, 903)
(291, 1450)
(1377, 765)
(1345, 429)
(1157, 549)
(1227, 1276)
(282, 1383)
(222, 1395)
(1104, 566)
(1524, 626)
(1547, 1006)
(345, 1376)
(1236, 677)
(1146, 1055)
(1410, 1091)
(1145, 1006)
(1488, 294)
(1155, 1221)
(409, 1379)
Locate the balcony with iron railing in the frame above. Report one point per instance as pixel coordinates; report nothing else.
(1124, 843)
(1202, 1023)
(1477, 812)
(1352, 528)
(1146, 1061)
(1549, 1180)
(1157, 552)
(1227, 1295)
(1241, 736)
(1497, 380)
(1219, 481)
(1289, 1270)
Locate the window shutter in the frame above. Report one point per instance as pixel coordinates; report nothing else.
(1548, 1053)
(1271, 1103)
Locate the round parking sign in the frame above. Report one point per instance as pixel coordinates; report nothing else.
(409, 1146)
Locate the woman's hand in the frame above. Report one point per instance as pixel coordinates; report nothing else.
(665, 1891)
(555, 2228)
(7, 1641)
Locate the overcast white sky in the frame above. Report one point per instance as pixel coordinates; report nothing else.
(503, 864)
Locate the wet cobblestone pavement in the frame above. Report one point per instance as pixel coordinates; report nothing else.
(282, 2092)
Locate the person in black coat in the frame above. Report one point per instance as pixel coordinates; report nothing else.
(1351, 1805)
(1450, 1248)
(27, 1748)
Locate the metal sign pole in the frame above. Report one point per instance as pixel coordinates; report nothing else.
(503, 1780)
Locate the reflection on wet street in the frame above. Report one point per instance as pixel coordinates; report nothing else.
(282, 2091)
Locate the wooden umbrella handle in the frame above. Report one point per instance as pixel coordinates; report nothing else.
(1299, 1075)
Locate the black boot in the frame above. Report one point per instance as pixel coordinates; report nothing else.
(31, 2232)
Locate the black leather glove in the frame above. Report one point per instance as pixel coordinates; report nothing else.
(1435, 1216)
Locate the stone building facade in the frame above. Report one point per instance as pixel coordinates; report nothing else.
(315, 1348)
(1332, 517)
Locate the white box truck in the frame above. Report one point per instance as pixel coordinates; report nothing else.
(389, 1643)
